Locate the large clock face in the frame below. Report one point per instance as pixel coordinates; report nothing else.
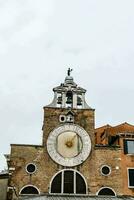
(69, 145)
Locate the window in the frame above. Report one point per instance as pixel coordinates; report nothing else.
(105, 170)
(68, 182)
(131, 177)
(62, 118)
(70, 118)
(129, 146)
(56, 184)
(31, 168)
(106, 192)
(80, 186)
(29, 190)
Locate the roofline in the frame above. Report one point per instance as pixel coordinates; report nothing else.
(69, 108)
(104, 126)
(108, 126)
(29, 145)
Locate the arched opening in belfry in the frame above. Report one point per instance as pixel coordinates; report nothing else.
(69, 99)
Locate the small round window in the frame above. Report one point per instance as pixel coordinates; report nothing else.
(62, 118)
(105, 170)
(31, 168)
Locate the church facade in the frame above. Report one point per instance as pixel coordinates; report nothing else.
(74, 159)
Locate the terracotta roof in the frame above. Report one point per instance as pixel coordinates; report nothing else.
(121, 128)
(101, 129)
(113, 130)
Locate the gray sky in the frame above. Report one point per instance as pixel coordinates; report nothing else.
(40, 39)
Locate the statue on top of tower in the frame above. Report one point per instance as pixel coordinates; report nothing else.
(69, 71)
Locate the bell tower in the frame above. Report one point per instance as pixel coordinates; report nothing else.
(69, 95)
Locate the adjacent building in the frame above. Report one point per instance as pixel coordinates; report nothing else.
(3, 184)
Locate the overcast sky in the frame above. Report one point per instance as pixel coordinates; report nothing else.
(40, 39)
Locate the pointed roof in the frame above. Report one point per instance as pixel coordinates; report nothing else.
(70, 112)
(121, 128)
(100, 132)
(113, 130)
(102, 128)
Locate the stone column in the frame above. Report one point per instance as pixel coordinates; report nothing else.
(74, 100)
(83, 100)
(63, 100)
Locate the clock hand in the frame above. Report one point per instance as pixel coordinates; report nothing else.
(69, 142)
(73, 137)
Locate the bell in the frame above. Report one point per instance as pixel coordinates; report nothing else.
(69, 100)
(59, 100)
(79, 101)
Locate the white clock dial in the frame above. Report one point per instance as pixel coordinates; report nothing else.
(69, 145)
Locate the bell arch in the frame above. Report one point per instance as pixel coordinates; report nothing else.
(68, 181)
(106, 191)
(29, 190)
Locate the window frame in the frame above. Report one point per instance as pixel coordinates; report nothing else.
(108, 168)
(128, 177)
(106, 195)
(126, 146)
(62, 182)
(31, 164)
(29, 194)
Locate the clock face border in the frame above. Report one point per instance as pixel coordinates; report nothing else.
(74, 161)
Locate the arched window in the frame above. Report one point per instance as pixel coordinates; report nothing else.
(68, 182)
(29, 189)
(106, 191)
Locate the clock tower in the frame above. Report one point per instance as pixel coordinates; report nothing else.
(68, 137)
